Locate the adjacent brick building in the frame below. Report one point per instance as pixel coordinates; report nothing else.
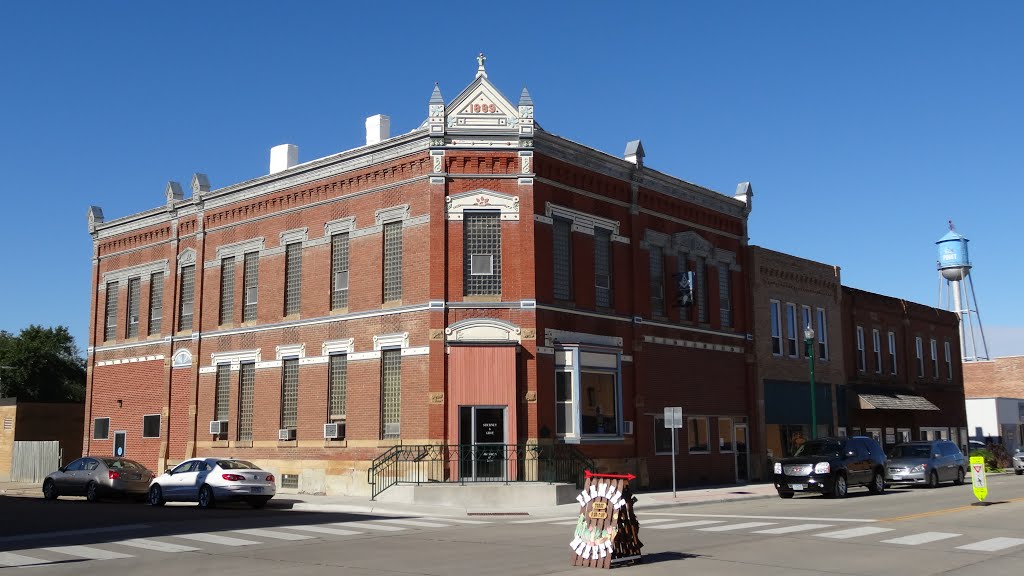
(995, 400)
(475, 280)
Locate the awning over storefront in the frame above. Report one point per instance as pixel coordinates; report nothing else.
(894, 402)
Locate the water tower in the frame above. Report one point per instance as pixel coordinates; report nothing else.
(955, 277)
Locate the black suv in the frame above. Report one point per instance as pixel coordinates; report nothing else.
(831, 466)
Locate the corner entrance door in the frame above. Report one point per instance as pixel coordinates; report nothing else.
(482, 442)
(119, 444)
(742, 461)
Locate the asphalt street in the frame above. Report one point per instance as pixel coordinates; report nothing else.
(904, 531)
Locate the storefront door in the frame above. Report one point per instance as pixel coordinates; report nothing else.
(482, 442)
(742, 460)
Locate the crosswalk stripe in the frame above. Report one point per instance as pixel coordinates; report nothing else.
(459, 520)
(854, 532)
(216, 539)
(922, 538)
(742, 526)
(992, 544)
(157, 545)
(565, 522)
(87, 552)
(324, 530)
(11, 559)
(789, 529)
(648, 521)
(418, 523)
(532, 521)
(686, 524)
(275, 534)
(368, 526)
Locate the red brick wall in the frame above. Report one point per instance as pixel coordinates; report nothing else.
(999, 377)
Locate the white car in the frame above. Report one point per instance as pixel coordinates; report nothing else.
(1018, 462)
(211, 480)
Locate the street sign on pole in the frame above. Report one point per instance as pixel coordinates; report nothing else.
(978, 478)
(673, 421)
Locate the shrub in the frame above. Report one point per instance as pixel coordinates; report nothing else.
(996, 457)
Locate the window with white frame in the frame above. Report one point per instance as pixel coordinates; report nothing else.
(949, 361)
(876, 348)
(588, 394)
(806, 322)
(663, 437)
(391, 393)
(392, 261)
(893, 369)
(697, 434)
(919, 349)
(564, 419)
(339, 271)
(289, 393)
(934, 349)
(726, 441)
(773, 307)
(481, 252)
(822, 335)
(600, 412)
(860, 349)
(791, 334)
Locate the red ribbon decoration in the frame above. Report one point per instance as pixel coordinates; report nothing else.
(590, 474)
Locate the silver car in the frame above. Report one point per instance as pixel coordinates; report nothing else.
(926, 463)
(212, 480)
(1018, 462)
(94, 477)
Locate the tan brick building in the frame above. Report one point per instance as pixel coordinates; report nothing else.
(39, 421)
(475, 281)
(995, 400)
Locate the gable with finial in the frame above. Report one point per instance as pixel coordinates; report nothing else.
(481, 108)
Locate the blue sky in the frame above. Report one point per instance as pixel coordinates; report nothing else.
(862, 126)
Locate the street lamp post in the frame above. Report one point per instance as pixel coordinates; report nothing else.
(809, 342)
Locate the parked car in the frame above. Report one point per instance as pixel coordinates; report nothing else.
(95, 477)
(927, 462)
(212, 480)
(1018, 462)
(830, 466)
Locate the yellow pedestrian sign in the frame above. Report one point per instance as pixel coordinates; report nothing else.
(978, 477)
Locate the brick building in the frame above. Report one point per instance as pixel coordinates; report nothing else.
(476, 280)
(38, 421)
(995, 400)
(904, 374)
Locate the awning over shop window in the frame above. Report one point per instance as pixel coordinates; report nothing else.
(894, 402)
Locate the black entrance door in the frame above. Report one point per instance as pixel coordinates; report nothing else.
(482, 442)
(119, 439)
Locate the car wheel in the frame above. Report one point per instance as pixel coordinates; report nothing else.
(206, 499)
(258, 502)
(92, 492)
(960, 477)
(877, 485)
(156, 495)
(50, 490)
(1018, 472)
(839, 488)
(933, 479)
(785, 494)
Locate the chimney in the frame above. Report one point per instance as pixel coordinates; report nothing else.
(745, 193)
(634, 153)
(283, 157)
(378, 127)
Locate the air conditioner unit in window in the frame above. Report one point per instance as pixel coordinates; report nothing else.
(218, 427)
(332, 430)
(627, 427)
(133, 320)
(286, 434)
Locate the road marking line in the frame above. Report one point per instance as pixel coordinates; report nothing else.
(216, 539)
(854, 532)
(323, 530)
(155, 545)
(803, 518)
(656, 520)
(368, 526)
(87, 552)
(13, 560)
(926, 514)
(742, 526)
(62, 533)
(992, 544)
(419, 523)
(276, 534)
(533, 520)
(685, 524)
(788, 529)
(922, 538)
(459, 520)
(565, 523)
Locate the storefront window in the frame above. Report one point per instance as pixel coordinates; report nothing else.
(600, 412)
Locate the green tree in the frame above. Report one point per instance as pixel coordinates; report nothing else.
(41, 365)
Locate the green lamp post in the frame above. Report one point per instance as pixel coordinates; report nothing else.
(809, 342)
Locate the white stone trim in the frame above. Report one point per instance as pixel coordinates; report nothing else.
(294, 235)
(268, 364)
(240, 248)
(235, 357)
(482, 330)
(482, 199)
(581, 221)
(399, 340)
(391, 214)
(186, 258)
(692, 344)
(418, 351)
(182, 358)
(131, 360)
(564, 336)
(343, 346)
(693, 244)
(313, 360)
(141, 270)
(356, 356)
(290, 351)
(655, 238)
(339, 226)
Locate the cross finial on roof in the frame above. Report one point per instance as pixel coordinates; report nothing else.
(480, 71)
(950, 224)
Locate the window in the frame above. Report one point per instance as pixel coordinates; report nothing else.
(725, 294)
(949, 361)
(337, 380)
(188, 295)
(935, 358)
(876, 347)
(726, 442)
(246, 384)
(561, 230)
(564, 419)
(227, 290)
(776, 328)
(822, 335)
(110, 313)
(292, 278)
(919, 348)
(391, 393)
(657, 281)
(481, 253)
(860, 349)
(701, 288)
(588, 394)
(603, 268)
(289, 392)
(151, 426)
(100, 428)
(805, 322)
(663, 437)
(791, 334)
(697, 433)
(222, 393)
(339, 271)
(892, 353)
(599, 415)
(156, 302)
(392, 261)
(134, 292)
(251, 282)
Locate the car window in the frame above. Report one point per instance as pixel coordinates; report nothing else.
(910, 451)
(122, 464)
(819, 448)
(950, 449)
(244, 465)
(202, 466)
(75, 465)
(859, 448)
(186, 466)
(90, 464)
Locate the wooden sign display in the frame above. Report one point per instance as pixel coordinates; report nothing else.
(607, 531)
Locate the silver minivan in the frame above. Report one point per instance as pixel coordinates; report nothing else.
(929, 463)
